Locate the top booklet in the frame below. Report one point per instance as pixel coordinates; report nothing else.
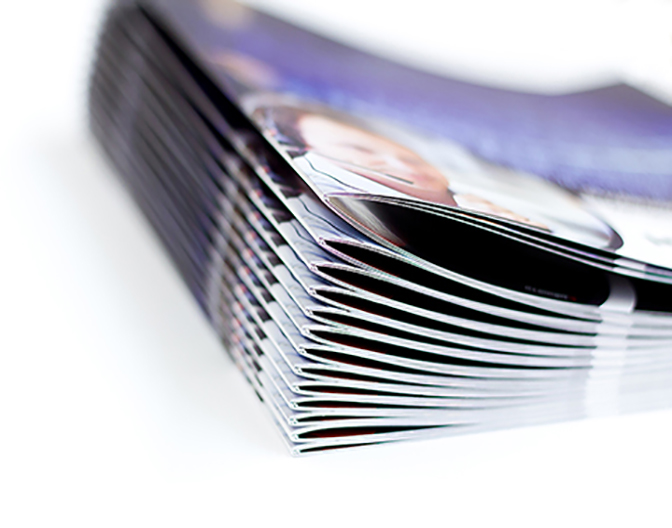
(588, 174)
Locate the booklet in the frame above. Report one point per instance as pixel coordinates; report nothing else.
(388, 254)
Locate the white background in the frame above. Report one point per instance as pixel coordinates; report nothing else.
(118, 406)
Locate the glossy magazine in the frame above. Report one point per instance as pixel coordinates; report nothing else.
(389, 254)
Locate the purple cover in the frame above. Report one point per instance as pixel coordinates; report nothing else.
(609, 140)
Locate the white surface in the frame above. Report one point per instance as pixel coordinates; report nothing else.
(119, 408)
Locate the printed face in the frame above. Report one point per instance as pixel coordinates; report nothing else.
(246, 70)
(374, 157)
(479, 204)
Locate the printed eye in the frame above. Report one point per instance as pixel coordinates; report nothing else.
(411, 160)
(359, 148)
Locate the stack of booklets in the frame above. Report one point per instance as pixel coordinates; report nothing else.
(389, 254)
